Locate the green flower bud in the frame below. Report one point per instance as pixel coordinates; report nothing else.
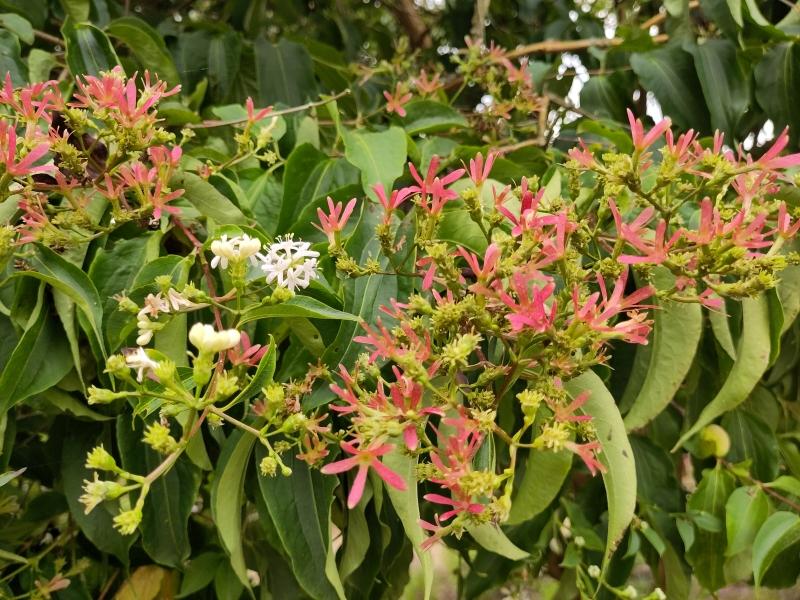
(103, 396)
(116, 365)
(268, 466)
(127, 521)
(100, 459)
(165, 370)
(157, 436)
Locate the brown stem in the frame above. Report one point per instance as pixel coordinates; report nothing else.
(554, 46)
(48, 38)
(405, 11)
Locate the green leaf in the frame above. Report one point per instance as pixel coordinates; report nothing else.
(77, 10)
(89, 50)
(147, 45)
(617, 456)
(778, 533)
(284, 73)
(778, 86)
(10, 476)
(40, 65)
(786, 483)
(544, 475)
(406, 505)
(722, 332)
(752, 359)
(224, 59)
(40, 360)
(227, 497)
(752, 440)
(670, 74)
(263, 374)
(165, 517)
(427, 116)
(309, 175)
(300, 507)
(725, 84)
(98, 525)
(379, 156)
(51, 268)
(745, 511)
(674, 339)
(299, 306)
(18, 25)
(492, 538)
(707, 553)
(10, 59)
(207, 200)
(200, 573)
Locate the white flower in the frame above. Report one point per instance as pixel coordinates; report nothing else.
(236, 249)
(153, 305)
(180, 303)
(289, 263)
(139, 360)
(207, 339)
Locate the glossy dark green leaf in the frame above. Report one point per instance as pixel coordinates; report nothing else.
(10, 59)
(227, 497)
(207, 200)
(778, 85)
(707, 553)
(200, 573)
(97, 526)
(655, 475)
(224, 59)
(300, 508)
(670, 74)
(54, 270)
(427, 116)
(751, 361)
(380, 156)
(284, 73)
(39, 361)
(166, 512)
(89, 50)
(309, 175)
(617, 455)
(262, 376)
(147, 45)
(299, 306)
(725, 84)
(752, 440)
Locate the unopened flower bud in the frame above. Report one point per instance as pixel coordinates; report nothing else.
(165, 370)
(100, 459)
(157, 436)
(116, 365)
(594, 571)
(268, 466)
(102, 396)
(208, 340)
(127, 521)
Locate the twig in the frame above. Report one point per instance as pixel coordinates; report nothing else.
(277, 113)
(48, 38)
(555, 46)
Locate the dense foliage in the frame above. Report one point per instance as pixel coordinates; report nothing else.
(311, 300)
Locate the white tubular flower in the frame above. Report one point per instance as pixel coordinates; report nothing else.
(179, 303)
(153, 305)
(236, 249)
(289, 263)
(139, 361)
(207, 339)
